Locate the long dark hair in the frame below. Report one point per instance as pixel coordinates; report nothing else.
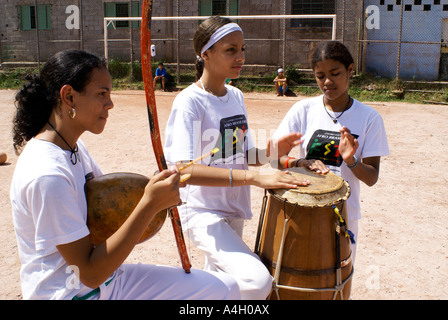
(203, 33)
(334, 50)
(36, 100)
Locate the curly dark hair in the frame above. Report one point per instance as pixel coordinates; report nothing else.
(331, 50)
(36, 100)
(202, 35)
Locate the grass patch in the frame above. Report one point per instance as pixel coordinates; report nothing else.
(15, 78)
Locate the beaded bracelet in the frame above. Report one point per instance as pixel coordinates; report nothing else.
(352, 166)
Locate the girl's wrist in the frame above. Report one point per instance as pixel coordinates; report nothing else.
(251, 178)
(352, 163)
(292, 162)
(299, 162)
(289, 162)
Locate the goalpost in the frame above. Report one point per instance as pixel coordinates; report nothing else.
(110, 20)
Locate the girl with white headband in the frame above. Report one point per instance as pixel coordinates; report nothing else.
(210, 115)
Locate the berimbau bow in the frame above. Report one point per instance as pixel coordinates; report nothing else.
(154, 124)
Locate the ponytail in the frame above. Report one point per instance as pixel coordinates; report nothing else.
(34, 107)
(199, 67)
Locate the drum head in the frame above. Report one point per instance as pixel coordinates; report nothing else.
(324, 190)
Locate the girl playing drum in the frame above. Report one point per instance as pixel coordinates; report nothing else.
(340, 133)
(210, 114)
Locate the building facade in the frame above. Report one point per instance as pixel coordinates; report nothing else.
(395, 37)
(57, 28)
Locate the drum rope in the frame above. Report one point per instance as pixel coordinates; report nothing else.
(314, 290)
(338, 273)
(339, 221)
(348, 233)
(261, 223)
(280, 252)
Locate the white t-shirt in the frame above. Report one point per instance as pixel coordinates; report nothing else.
(49, 209)
(321, 138)
(200, 122)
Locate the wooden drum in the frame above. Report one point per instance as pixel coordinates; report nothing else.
(303, 239)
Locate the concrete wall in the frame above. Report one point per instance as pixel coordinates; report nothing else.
(19, 45)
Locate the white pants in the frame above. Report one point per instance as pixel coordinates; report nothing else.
(220, 238)
(154, 282)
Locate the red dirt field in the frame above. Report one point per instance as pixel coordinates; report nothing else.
(403, 236)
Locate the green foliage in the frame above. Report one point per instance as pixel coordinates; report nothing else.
(15, 78)
(118, 69)
(293, 75)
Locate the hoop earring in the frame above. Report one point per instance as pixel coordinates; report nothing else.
(72, 113)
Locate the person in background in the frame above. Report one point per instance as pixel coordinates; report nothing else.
(161, 75)
(281, 84)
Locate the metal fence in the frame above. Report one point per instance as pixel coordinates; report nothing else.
(405, 39)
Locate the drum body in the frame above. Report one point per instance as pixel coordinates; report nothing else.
(111, 198)
(302, 239)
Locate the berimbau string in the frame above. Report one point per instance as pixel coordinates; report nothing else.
(187, 176)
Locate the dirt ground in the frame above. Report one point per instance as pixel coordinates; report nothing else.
(403, 236)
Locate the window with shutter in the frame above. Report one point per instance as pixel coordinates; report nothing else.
(121, 9)
(217, 7)
(312, 7)
(28, 17)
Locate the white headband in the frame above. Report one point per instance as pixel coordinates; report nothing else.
(221, 33)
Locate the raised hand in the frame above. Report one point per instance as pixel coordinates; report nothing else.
(348, 144)
(280, 147)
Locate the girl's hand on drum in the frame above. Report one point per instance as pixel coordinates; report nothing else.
(314, 165)
(281, 180)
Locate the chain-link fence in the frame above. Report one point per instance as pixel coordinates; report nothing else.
(406, 39)
(403, 39)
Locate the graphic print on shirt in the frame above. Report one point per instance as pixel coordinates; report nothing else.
(324, 146)
(231, 140)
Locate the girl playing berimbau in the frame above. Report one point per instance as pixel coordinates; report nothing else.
(71, 96)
